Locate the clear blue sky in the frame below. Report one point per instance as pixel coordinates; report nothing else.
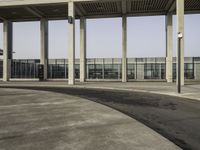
(146, 37)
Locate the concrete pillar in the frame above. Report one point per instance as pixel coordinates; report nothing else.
(7, 49)
(140, 71)
(71, 43)
(44, 45)
(82, 49)
(124, 49)
(197, 71)
(180, 28)
(169, 48)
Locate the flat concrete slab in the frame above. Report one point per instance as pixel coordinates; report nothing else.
(190, 90)
(46, 120)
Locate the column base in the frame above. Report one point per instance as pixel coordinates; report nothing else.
(82, 80)
(70, 82)
(170, 80)
(124, 81)
(182, 84)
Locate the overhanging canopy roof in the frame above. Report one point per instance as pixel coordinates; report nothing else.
(22, 10)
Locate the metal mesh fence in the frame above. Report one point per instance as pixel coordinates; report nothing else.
(137, 69)
(24, 69)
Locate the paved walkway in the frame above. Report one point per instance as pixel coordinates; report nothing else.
(190, 90)
(51, 121)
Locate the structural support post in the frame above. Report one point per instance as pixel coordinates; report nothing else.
(71, 43)
(180, 30)
(82, 49)
(169, 48)
(124, 48)
(44, 45)
(7, 49)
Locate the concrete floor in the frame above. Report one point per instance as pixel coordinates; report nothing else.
(39, 120)
(190, 90)
(183, 112)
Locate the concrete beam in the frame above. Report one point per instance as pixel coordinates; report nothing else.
(124, 49)
(82, 49)
(171, 6)
(71, 44)
(79, 10)
(38, 2)
(2, 18)
(124, 7)
(44, 45)
(180, 28)
(169, 48)
(7, 49)
(35, 12)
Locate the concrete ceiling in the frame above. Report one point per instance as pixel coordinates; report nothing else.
(58, 9)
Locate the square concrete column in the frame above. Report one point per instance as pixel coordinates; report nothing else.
(180, 29)
(7, 49)
(124, 48)
(169, 48)
(82, 49)
(71, 43)
(44, 45)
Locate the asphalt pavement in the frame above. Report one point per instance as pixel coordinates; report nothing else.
(177, 119)
(48, 120)
(156, 105)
